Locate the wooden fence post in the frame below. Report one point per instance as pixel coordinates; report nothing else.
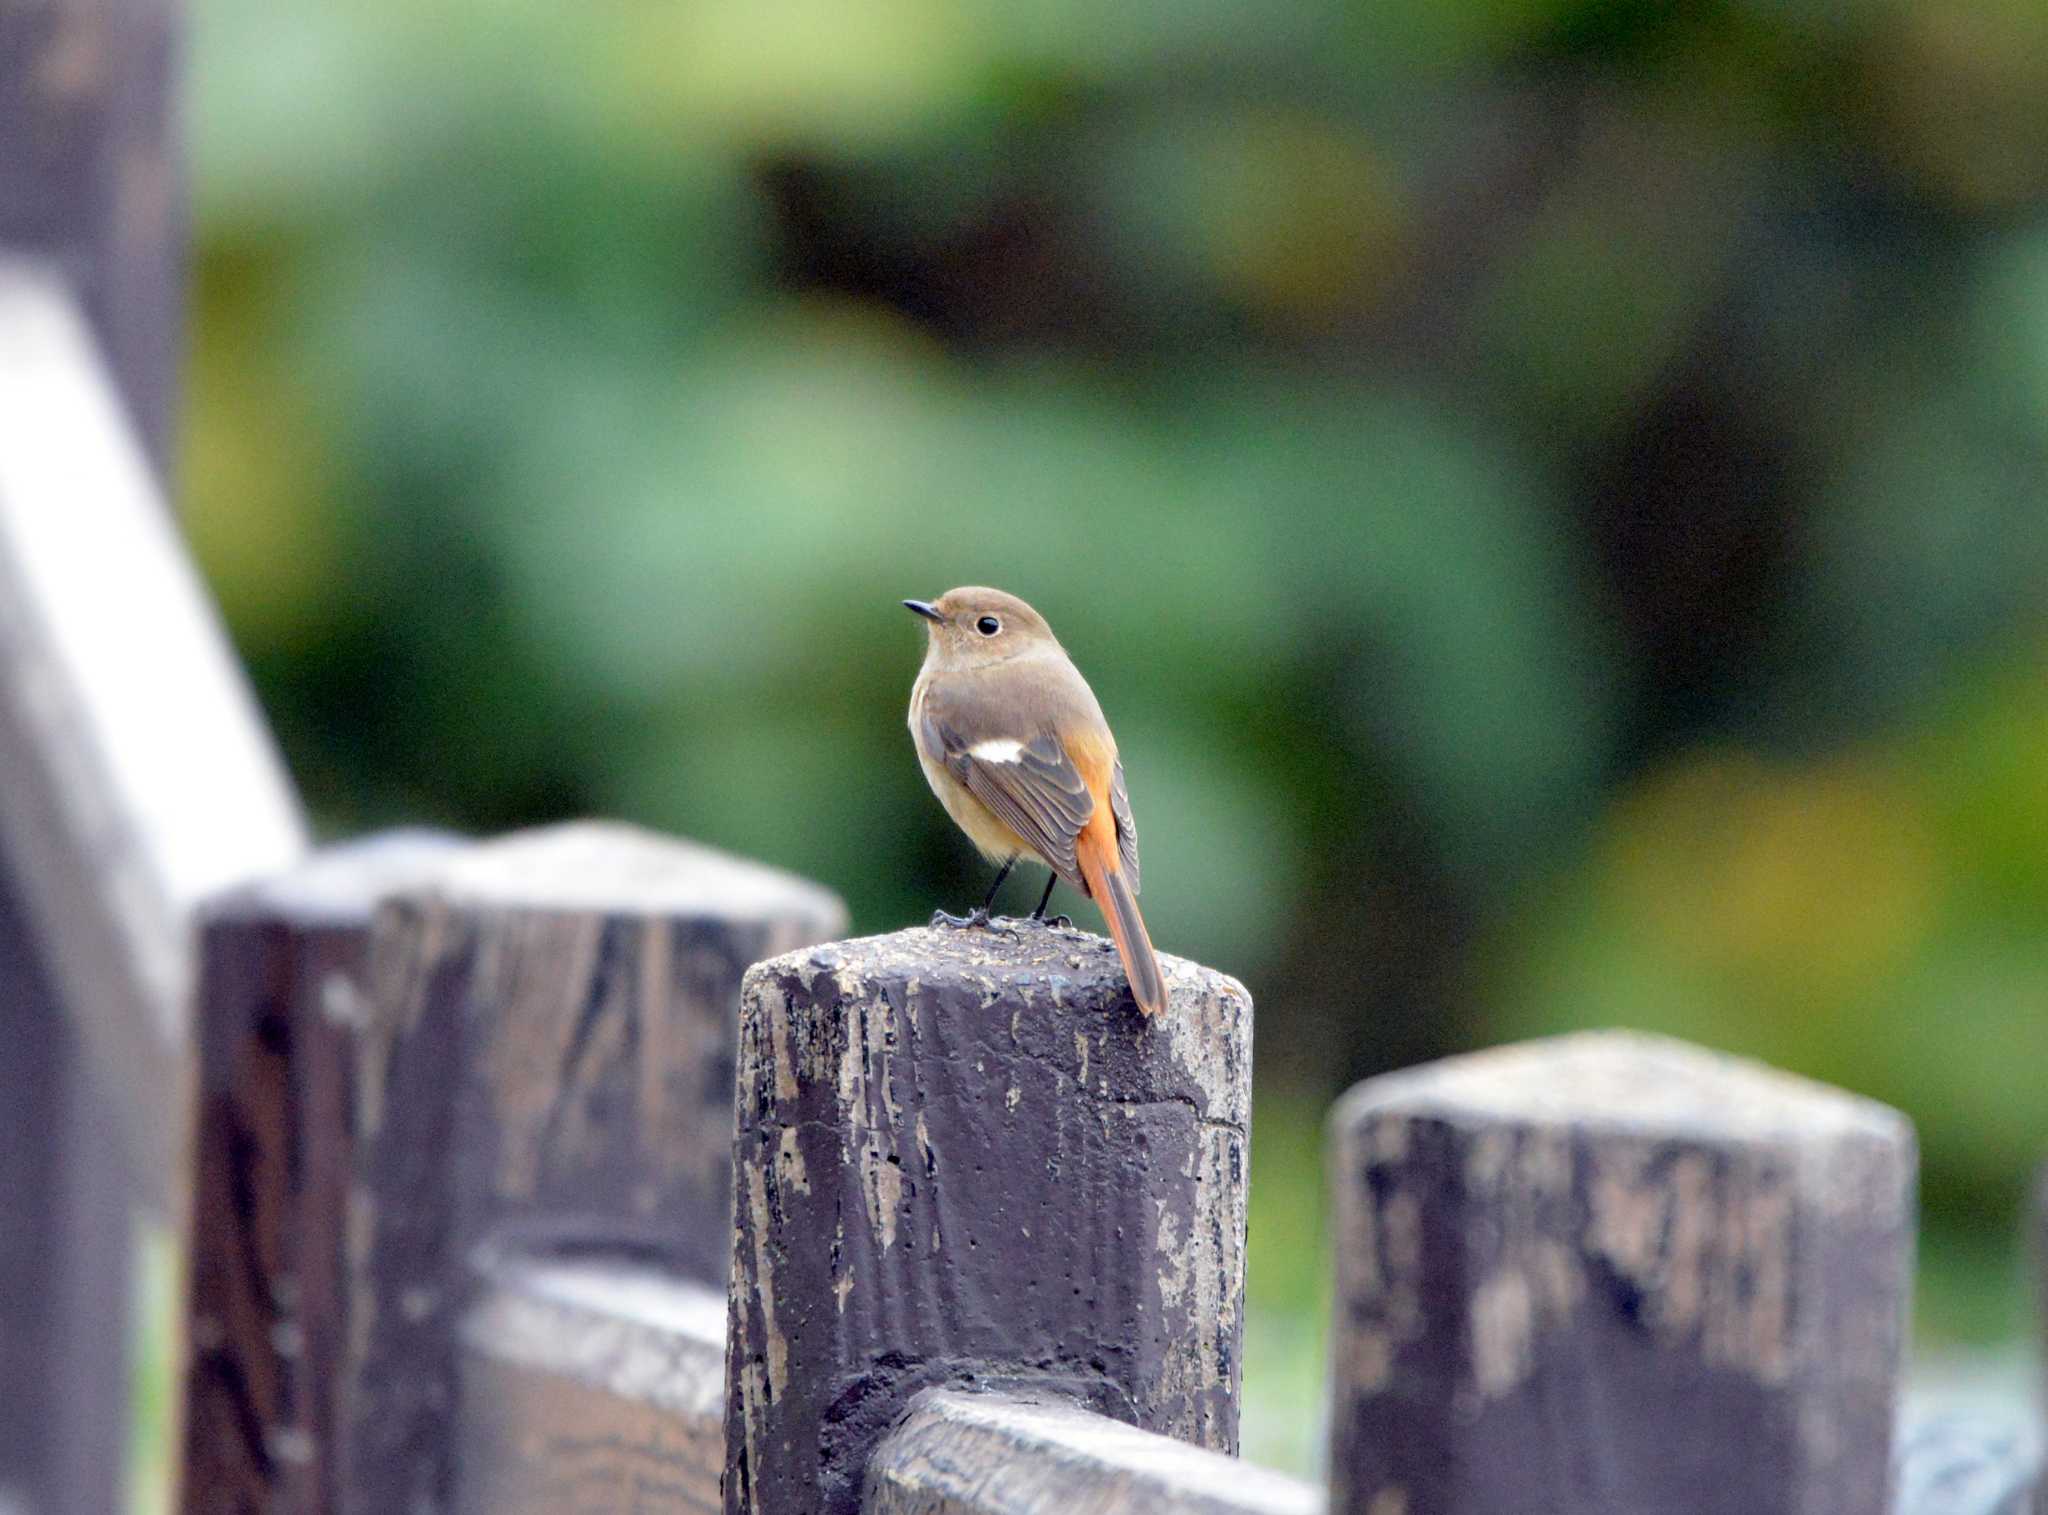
(281, 1003)
(1612, 1273)
(965, 1157)
(547, 1068)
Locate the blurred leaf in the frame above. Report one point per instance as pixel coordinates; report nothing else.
(1957, 93)
(799, 74)
(1282, 211)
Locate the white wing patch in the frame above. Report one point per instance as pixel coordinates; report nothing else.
(999, 751)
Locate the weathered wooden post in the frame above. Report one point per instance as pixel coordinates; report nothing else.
(282, 1005)
(546, 1070)
(1613, 1273)
(963, 1157)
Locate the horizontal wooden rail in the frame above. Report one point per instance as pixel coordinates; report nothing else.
(590, 1383)
(959, 1453)
(1964, 1464)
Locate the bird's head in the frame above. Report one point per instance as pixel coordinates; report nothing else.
(972, 626)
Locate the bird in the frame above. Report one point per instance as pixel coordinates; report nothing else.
(1015, 746)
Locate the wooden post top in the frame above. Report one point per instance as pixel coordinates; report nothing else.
(1073, 976)
(610, 868)
(1624, 1080)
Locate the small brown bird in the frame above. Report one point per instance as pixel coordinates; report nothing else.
(1015, 747)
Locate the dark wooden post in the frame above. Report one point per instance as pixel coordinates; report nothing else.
(547, 1069)
(1613, 1273)
(965, 1157)
(282, 1001)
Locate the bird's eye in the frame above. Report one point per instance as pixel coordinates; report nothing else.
(988, 625)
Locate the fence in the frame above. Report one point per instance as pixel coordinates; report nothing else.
(581, 1169)
(482, 1126)
(985, 1226)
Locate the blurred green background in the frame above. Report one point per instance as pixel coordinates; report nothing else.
(1550, 493)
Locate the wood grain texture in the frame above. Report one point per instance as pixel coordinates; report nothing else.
(548, 1066)
(1613, 1273)
(281, 1004)
(590, 1385)
(964, 1157)
(989, 1454)
(92, 182)
(1966, 1464)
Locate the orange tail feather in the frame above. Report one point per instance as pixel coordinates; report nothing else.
(1112, 892)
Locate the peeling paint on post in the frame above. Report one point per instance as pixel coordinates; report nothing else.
(1613, 1273)
(964, 1158)
(547, 1068)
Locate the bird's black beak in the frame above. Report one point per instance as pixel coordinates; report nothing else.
(929, 612)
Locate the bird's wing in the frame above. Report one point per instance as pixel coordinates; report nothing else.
(1031, 784)
(1126, 827)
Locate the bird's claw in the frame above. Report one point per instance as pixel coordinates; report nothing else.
(1056, 922)
(973, 918)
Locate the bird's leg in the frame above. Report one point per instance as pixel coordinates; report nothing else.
(1001, 874)
(1045, 899)
(980, 915)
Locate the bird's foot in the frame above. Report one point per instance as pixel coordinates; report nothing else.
(974, 918)
(1057, 922)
